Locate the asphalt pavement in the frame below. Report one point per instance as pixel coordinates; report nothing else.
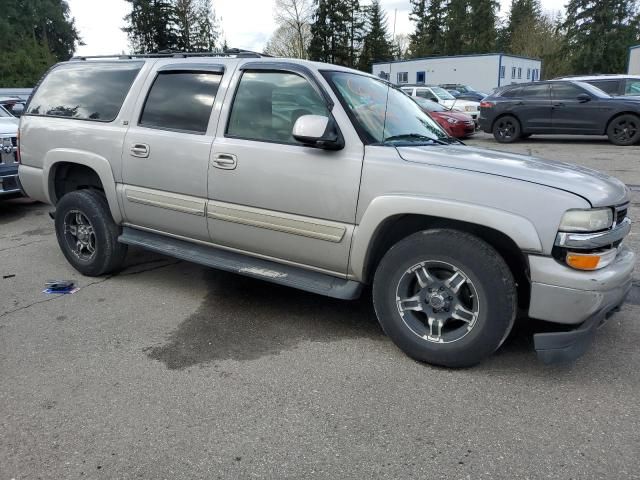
(171, 370)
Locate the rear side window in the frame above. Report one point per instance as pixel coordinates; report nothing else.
(181, 101)
(511, 93)
(607, 86)
(84, 90)
(535, 91)
(566, 91)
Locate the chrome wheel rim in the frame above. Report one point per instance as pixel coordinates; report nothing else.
(437, 301)
(79, 235)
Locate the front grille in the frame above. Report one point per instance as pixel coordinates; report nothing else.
(621, 215)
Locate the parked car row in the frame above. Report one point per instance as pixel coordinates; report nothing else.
(9, 187)
(566, 107)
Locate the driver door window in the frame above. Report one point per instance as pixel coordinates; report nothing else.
(267, 105)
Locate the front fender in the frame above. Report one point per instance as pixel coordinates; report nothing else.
(98, 164)
(519, 229)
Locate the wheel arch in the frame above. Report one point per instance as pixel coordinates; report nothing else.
(619, 114)
(78, 170)
(382, 227)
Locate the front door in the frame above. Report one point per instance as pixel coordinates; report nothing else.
(572, 115)
(271, 196)
(166, 154)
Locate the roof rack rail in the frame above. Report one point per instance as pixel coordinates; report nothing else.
(230, 52)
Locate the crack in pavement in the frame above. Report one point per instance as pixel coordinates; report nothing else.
(97, 282)
(23, 245)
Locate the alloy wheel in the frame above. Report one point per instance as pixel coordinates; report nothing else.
(79, 235)
(437, 301)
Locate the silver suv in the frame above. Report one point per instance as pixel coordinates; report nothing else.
(328, 180)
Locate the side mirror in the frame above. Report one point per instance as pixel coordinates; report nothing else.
(17, 109)
(318, 131)
(584, 98)
(434, 99)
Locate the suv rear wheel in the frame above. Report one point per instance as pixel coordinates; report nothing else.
(445, 297)
(624, 130)
(87, 234)
(507, 129)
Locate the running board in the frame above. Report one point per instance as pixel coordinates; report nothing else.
(287, 275)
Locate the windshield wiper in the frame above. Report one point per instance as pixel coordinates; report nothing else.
(415, 136)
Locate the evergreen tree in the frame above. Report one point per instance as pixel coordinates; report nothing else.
(418, 45)
(152, 26)
(457, 30)
(435, 24)
(335, 32)
(185, 17)
(376, 44)
(206, 31)
(522, 14)
(482, 33)
(34, 34)
(599, 33)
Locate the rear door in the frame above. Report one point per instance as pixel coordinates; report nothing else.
(533, 108)
(166, 151)
(572, 115)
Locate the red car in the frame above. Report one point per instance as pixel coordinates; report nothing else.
(456, 124)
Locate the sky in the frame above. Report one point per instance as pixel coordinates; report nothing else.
(246, 24)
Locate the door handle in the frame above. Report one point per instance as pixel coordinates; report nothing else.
(225, 161)
(140, 150)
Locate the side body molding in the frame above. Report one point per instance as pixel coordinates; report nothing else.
(519, 229)
(97, 163)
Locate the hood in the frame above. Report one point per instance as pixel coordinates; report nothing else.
(9, 125)
(460, 116)
(597, 188)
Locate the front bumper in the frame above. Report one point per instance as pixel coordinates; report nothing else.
(9, 185)
(563, 295)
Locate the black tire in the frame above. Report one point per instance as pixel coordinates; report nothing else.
(100, 252)
(486, 274)
(507, 129)
(624, 130)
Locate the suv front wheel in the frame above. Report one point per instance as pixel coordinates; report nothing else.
(87, 234)
(445, 297)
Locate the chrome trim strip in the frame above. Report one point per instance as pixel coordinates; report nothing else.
(237, 250)
(179, 203)
(280, 222)
(594, 240)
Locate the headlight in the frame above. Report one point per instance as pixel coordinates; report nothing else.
(452, 121)
(590, 220)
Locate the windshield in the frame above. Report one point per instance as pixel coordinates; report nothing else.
(428, 105)
(383, 113)
(442, 94)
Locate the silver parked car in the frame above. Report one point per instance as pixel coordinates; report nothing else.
(325, 179)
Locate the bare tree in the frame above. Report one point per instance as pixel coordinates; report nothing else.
(283, 43)
(293, 18)
(401, 45)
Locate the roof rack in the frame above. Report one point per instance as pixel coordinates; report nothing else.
(230, 52)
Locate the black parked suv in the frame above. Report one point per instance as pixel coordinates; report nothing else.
(560, 107)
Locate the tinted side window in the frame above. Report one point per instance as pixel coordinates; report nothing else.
(535, 91)
(511, 93)
(85, 90)
(566, 91)
(607, 86)
(267, 104)
(180, 101)
(632, 87)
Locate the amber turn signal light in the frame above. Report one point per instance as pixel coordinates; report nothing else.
(590, 261)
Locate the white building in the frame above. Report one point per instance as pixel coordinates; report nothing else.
(483, 72)
(634, 60)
